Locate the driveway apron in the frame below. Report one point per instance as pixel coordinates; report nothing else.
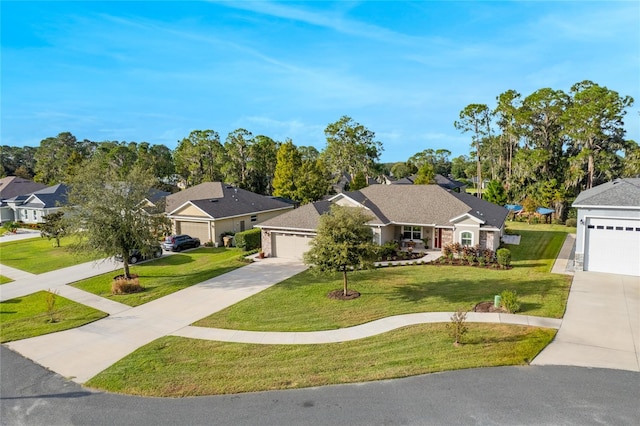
(601, 326)
(81, 353)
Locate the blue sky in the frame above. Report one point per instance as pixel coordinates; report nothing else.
(154, 71)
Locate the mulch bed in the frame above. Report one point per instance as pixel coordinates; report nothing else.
(487, 307)
(339, 295)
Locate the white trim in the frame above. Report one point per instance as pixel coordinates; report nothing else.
(464, 232)
(171, 213)
(584, 206)
(470, 216)
(284, 228)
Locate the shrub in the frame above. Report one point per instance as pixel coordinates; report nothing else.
(447, 251)
(122, 285)
(504, 257)
(248, 240)
(457, 328)
(387, 250)
(50, 298)
(510, 301)
(208, 244)
(571, 223)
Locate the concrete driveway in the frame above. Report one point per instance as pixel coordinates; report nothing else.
(601, 326)
(83, 352)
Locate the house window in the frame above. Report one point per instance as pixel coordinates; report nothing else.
(412, 232)
(466, 238)
(34, 215)
(254, 218)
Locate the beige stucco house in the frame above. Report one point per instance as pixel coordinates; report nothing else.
(426, 215)
(208, 210)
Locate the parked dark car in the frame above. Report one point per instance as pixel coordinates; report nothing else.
(180, 242)
(136, 255)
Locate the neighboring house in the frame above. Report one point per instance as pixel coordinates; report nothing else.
(33, 207)
(608, 228)
(443, 181)
(13, 186)
(418, 213)
(208, 210)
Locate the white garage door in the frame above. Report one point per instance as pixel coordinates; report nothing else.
(613, 246)
(289, 246)
(194, 229)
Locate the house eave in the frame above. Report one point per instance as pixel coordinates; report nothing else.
(604, 207)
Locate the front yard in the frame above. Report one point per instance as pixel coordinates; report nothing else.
(168, 274)
(175, 366)
(38, 255)
(300, 303)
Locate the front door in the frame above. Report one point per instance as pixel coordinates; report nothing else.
(242, 226)
(438, 238)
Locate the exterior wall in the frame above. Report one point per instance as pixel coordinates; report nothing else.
(474, 229)
(582, 219)
(31, 215)
(389, 233)
(234, 224)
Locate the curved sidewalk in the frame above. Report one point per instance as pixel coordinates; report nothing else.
(362, 331)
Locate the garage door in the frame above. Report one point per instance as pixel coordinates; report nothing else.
(195, 229)
(289, 246)
(613, 246)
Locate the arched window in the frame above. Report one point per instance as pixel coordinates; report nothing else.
(466, 238)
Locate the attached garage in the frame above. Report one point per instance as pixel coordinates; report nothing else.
(612, 246)
(195, 229)
(289, 246)
(608, 228)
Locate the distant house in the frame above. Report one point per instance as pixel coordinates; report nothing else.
(608, 228)
(13, 186)
(208, 210)
(443, 181)
(423, 214)
(31, 208)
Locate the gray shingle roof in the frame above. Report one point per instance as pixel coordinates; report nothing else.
(12, 186)
(617, 193)
(53, 196)
(219, 200)
(400, 204)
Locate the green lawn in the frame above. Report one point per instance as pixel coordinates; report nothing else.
(300, 303)
(38, 255)
(27, 316)
(168, 274)
(4, 280)
(178, 367)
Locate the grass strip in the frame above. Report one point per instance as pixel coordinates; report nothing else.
(27, 316)
(4, 280)
(178, 367)
(168, 274)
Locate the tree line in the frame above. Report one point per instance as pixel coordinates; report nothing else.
(547, 146)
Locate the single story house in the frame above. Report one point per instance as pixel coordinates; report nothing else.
(31, 208)
(13, 186)
(608, 228)
(426, 214)
(211, 209)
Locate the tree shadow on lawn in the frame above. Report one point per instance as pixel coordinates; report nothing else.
(469, 291)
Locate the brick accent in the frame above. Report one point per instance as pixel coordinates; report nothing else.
(447, 237)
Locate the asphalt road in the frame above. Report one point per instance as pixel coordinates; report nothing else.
(32, 395)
